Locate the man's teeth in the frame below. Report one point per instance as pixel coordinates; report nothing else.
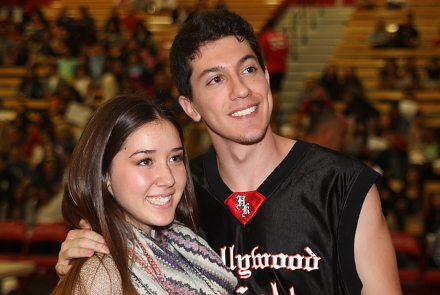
(244, 112)
(159, 200)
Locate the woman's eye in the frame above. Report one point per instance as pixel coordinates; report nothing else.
(177, 158)
(145, 162)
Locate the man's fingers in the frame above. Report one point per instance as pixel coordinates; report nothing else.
(62, 269)
(84, 224)
(83, 238)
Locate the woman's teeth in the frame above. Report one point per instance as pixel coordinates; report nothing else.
(159, 200)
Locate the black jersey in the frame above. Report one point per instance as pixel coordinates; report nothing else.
(295, 234)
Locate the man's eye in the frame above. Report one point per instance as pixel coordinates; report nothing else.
(250, 69)
(215, 80)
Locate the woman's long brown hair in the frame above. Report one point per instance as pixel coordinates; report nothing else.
(85, 191)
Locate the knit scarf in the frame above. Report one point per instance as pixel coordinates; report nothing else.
(179, 263)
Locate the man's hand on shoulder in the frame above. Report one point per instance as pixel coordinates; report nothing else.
(79, 243)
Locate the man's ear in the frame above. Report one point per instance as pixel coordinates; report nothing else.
(188, 107)
(266, 73)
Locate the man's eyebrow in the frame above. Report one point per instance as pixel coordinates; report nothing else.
(210, 70)
(218, 68)
(245, 58)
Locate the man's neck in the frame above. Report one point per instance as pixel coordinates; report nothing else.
(245, 167)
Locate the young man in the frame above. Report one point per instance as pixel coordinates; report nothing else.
(287, 217)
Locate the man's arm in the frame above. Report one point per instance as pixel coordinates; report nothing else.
(374, 251)
(79, 243)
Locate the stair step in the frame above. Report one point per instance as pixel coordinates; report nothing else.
(313, 55)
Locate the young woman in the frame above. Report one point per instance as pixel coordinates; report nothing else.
(129, 178)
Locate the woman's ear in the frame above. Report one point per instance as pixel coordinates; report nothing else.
(109, 186)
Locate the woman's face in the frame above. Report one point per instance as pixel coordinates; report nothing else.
(148, 176)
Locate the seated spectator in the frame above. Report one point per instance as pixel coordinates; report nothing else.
(67, 65)
(380, 37)
(393, 160)
(410, 77)
(407, 36)
(111, 79)
(64, 20)
(388, 76)
(310, 83)
(33, 28)
(429, 145)
(96, 59)
(130, 20)
(414, 134)
(357, 139)
(7, 47)
(83, 85)
(46, 52)
(330, 82)
(113, 39)
(432, 220)
(294, 128)
(114, 17)
(53, 82)
(85, 27)
(318, 101)
(17, 209)
(47, 173)
(436, 42)
(408, 106)
(134, 69)
(393, 120)
(30, 86)
(131, 45)
(162, 87)
(431, 79)
(351, 82)
(18, 163)
(8, 183)
(49, 205)
(152, 55)
(358, 108)
(413, 205)
(141, 33)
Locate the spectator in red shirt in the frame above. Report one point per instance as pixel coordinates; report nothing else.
(130, 20)
(275, 47)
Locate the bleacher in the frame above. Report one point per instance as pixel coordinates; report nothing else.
(354, 50)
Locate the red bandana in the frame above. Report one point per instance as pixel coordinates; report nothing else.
(244, 204)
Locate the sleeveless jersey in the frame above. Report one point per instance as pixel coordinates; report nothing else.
(295, 234)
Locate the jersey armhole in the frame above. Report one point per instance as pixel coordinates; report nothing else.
(347, 229)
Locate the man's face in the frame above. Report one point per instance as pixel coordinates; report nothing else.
(231, 93)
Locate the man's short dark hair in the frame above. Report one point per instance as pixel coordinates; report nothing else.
(200, 30)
